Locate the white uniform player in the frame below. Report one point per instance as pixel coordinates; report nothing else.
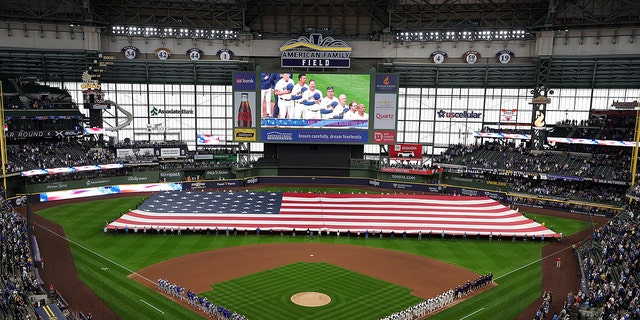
(296, 95)
(311, 102)
(282, 90)
(341, 108)
(328, 104)
(360, 114)
(351, 113)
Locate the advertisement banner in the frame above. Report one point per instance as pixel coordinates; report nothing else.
(132, 153)
(324, 136)
(384, 136)
(217, 174)
(426, 172)
(244, 81)
(170, 153)
(405, 151)
(138, 177)
(386, 82)
(42, 134)
(244, 134)
(171, 176)
(385, 112)
(499, 196)
(508, 115)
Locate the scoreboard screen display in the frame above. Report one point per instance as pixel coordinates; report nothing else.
(315, 107)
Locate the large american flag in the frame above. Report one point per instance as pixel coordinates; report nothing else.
(329, 212)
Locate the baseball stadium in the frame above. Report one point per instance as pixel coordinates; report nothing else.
(319, 160)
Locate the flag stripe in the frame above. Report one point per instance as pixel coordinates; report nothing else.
(345, 212)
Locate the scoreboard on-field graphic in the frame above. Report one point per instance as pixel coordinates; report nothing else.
(316, 108)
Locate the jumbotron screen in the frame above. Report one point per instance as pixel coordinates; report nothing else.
(315, 107)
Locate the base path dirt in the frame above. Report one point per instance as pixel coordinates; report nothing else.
(231, 263)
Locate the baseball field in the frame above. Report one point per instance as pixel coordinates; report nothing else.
(257, 275)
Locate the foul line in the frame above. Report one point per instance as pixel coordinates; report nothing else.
(147, 303)
(95, 253)
(532, 262)
(472, 313)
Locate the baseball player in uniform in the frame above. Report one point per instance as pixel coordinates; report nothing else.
(341, 108)
(282, 90)
(311, 102)
(266, 89)
(296, 95)
(360, 114)
(352, 112)
(328, 104)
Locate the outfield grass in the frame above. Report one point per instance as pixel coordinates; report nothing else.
(105, 261)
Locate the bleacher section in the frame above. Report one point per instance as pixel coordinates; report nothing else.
(611, 269)
(28, 94)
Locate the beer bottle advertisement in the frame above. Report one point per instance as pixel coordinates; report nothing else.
(244, 106)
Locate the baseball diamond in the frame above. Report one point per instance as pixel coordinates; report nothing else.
(235, 262)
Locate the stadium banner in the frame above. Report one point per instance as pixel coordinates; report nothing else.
(245, 102)
(316, 50)
(386, 108)
(108, 190)
(209, 139)
(180, 152)
(216, 156)
(499, 196)
(42, 134)
(123, 153)
(382, 184)
(405, 151)
(138, 177)
(508, 115)
(199, 185)
(283, 135)
(425, 172)
(583, 211)
(435, 188)
(404, 177)
(171, 176)
(218, 174)
(244, 134)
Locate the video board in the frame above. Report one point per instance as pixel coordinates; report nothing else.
(310, 107)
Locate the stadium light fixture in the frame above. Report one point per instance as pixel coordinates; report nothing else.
(465, 35)
(169, 32)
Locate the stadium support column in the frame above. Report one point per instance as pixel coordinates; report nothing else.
(634, 157)
(539, 105)
(244, 158)
(3, 143)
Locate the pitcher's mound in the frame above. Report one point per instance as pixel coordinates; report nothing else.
(310, 299)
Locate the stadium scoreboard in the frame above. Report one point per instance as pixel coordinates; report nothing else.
(320, 108)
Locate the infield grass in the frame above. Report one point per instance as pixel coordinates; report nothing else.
(105, 261)
(265, 295)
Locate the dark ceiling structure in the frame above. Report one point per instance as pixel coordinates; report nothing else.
(345, 19)
(351, 19)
